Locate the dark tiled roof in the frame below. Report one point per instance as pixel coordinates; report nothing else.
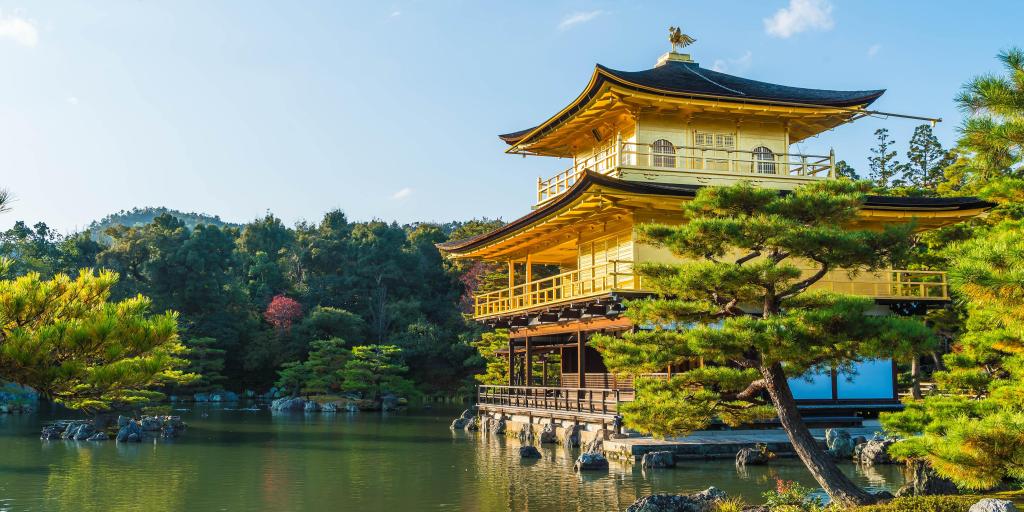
(686, 190)
(688, 78)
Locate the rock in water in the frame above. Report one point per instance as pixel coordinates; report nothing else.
(839, 442)
(122, 421)
(329, 407)
(311, 406)
(993, 505)
(85, 431)
(130, 433)
(548, 434)
(660, 459)
(459, 423)
(925, 482)
(528, 452)
(704, 501)
(288, 404)
(571, 436)
(756, 456)
(876, 451)
(99, 436)
(590, 461)
(51, 432)
(151, 424)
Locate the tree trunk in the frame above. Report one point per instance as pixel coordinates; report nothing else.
(915, 378)
(939, 365)
(840, 489)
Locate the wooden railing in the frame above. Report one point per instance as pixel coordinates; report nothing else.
(621, 276)
(577, 400)
(604, 161)
(688, 158)
(888, 284)
(737, 161)
(575, 284)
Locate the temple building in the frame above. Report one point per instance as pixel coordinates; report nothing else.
(641, 143)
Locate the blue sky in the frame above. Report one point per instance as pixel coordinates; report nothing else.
(390, 109)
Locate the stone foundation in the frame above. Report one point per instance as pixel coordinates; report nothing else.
(546, 430)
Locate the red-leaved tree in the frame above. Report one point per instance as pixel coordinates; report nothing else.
(282, 311)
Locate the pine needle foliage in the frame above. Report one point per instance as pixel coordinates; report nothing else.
(740, 305)
(63, 338)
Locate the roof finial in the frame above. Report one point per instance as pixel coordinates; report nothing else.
(678, 38)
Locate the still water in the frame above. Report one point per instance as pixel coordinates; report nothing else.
(239, 460)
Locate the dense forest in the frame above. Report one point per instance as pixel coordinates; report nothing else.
(254, 298)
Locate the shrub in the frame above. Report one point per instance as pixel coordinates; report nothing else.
(922, 503)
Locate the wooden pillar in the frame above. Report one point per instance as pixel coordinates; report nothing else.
(529, 279)
(529, 363)
(511, 362)
(511, 274)
(544, 370)
(581, 358)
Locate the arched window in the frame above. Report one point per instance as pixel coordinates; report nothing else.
(764, 160)
(663, 153)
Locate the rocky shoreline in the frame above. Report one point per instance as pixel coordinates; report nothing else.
(128, 430)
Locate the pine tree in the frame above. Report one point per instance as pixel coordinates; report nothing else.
(496, 369)
(885, 168)
(994, 132)
(62, 337)
(206, 361)
(926, 159)
(754, 324)
(972, 430)
(844, 170)
(374, 370)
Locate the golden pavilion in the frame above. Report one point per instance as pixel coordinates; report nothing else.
(640, 143)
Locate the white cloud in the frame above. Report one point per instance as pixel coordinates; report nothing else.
(875, 48)
(72, 100)
(402, 194)
(578, 18)
(396, 13)
(800, 16)
(737, 65)
(19, 30)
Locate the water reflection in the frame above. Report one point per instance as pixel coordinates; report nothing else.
(252, 460)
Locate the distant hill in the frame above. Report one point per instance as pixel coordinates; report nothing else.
(142, 216)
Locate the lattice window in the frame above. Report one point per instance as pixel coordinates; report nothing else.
(764, 160)
(715, 150)
(663, 153)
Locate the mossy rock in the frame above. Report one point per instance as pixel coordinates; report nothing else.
(923, 503)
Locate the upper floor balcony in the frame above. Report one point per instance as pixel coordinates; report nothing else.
(618, 277)
(699, 165)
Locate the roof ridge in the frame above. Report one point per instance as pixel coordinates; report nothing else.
(691, 70)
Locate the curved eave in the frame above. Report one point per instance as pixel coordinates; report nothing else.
(944, 210)
(518, 139)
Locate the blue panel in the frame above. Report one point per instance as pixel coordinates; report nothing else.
(819, 387)
(872, 379)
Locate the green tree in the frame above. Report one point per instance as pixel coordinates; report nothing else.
(886, 170)
(205, 361)
(926, 159)
(994, 131)
(972, 430)
(844, 170)
(320, 373)
(744, 292)
(62, 337)
(374, 370)
(495, 364)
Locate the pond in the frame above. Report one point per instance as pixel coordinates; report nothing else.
(254, 460)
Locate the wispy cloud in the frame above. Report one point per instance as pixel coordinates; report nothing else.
(396, 13)
(874, 49)
(800, 16)
(402, 194)
(19, 30)
(72, 100)
(737, 65)
(578, 18)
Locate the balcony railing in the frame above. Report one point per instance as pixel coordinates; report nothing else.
(567, 286)
(696, 159)
(619, 276)
(573, 400)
